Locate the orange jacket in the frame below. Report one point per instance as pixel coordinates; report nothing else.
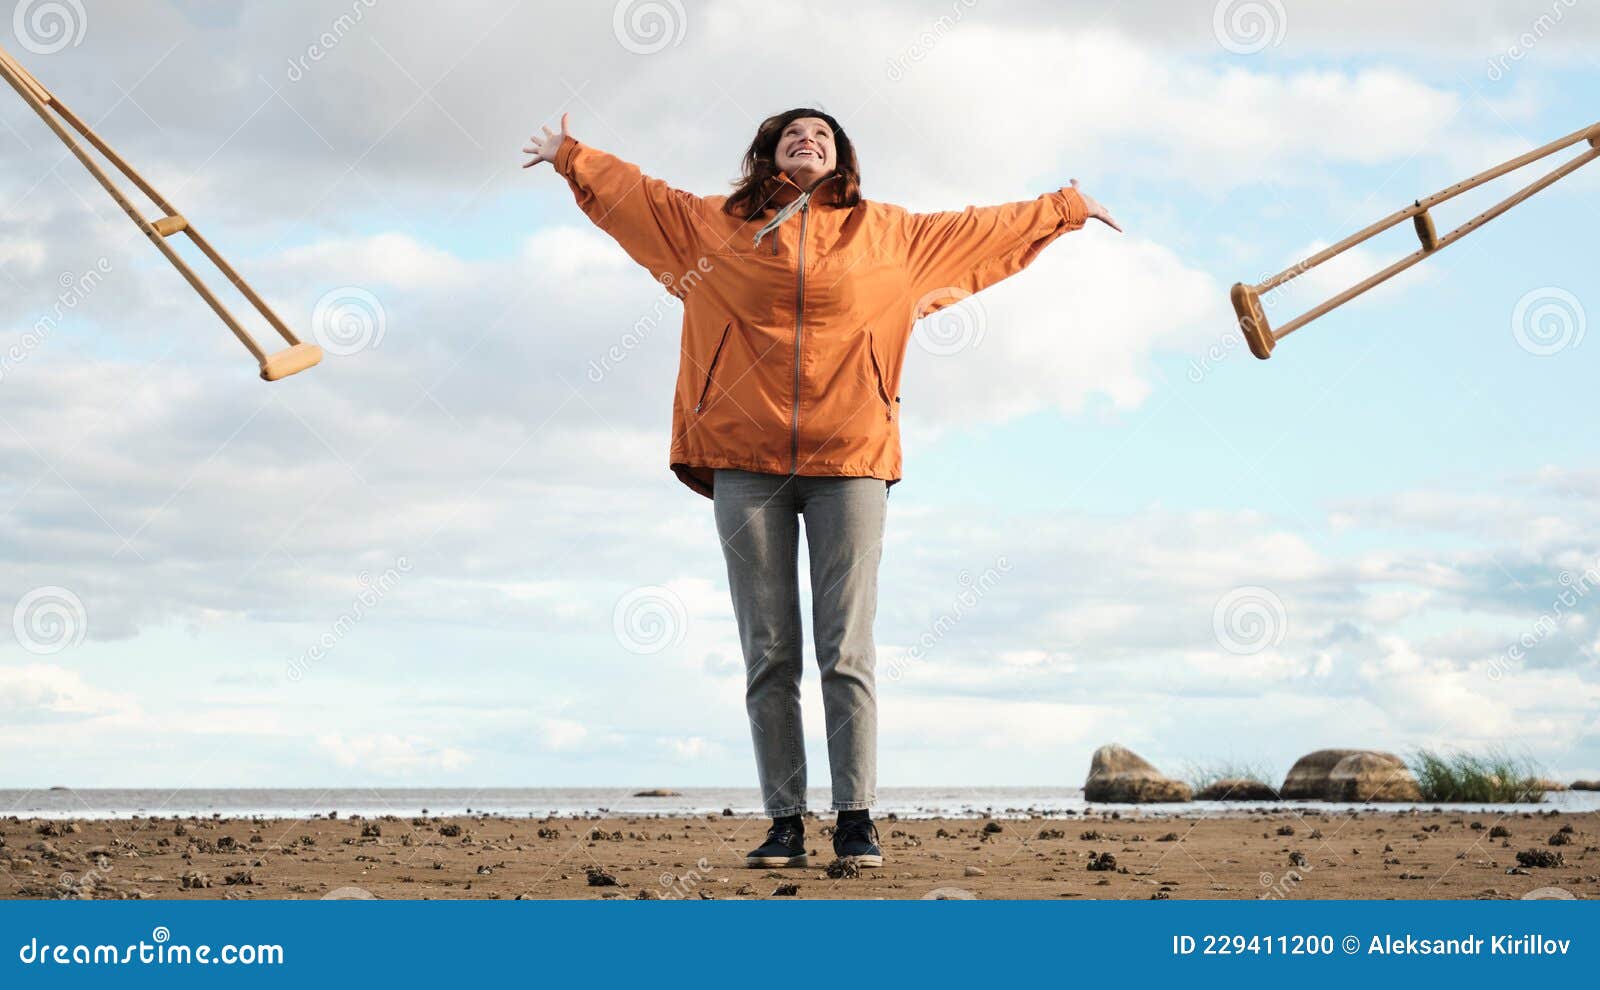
(792, 348)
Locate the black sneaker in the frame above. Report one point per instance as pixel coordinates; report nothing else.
(858, 841)
(785, 846)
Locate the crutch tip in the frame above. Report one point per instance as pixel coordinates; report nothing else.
(1252, 320)
(289, 361)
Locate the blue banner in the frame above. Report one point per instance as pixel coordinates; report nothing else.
(706, 943)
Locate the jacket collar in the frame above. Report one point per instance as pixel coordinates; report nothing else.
(786, 189)
(787, 198)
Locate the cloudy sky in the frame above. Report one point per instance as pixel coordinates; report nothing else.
(453, 553)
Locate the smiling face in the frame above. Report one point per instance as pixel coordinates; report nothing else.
(806, 151)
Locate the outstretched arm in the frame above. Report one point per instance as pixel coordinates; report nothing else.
(971, 249)
(655, 223)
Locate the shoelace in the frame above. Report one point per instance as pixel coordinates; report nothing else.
(783, 835)
(858, 830)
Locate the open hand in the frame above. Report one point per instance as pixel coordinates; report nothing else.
(543, 149)
(1096, 211)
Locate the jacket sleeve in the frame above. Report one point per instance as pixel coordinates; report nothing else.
(656, 224)
(964, 251)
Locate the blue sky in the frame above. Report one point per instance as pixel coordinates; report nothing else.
(1397, 494)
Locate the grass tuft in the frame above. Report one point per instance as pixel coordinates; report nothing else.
(1492, 777)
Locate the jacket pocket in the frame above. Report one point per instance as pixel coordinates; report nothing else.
(877, 374)
(712, 367)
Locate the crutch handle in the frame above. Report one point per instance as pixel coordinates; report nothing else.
(289, 361)
(1252, 320)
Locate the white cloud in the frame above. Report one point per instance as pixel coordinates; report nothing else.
(388, 754)
(562, 734)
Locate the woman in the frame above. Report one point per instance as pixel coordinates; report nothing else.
(799, 300)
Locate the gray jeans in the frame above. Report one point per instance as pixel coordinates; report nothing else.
(758, 521)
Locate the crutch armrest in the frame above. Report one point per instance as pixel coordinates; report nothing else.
(289, 361)
(1252, 320)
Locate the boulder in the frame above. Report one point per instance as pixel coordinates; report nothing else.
(1118, 775)
(1350, 775)
(1308, 778)
(1585, 785)
(1237, 789)
(657, 792)
(1372, 776)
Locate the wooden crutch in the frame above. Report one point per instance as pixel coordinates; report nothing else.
(296, 357)
(1247, 298)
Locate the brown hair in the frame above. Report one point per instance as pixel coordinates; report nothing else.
(760, 168)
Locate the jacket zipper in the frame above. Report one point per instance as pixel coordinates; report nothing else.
(883, 390)
(799, 324)
(713, 367)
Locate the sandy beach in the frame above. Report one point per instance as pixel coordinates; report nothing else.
(1277, 852)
